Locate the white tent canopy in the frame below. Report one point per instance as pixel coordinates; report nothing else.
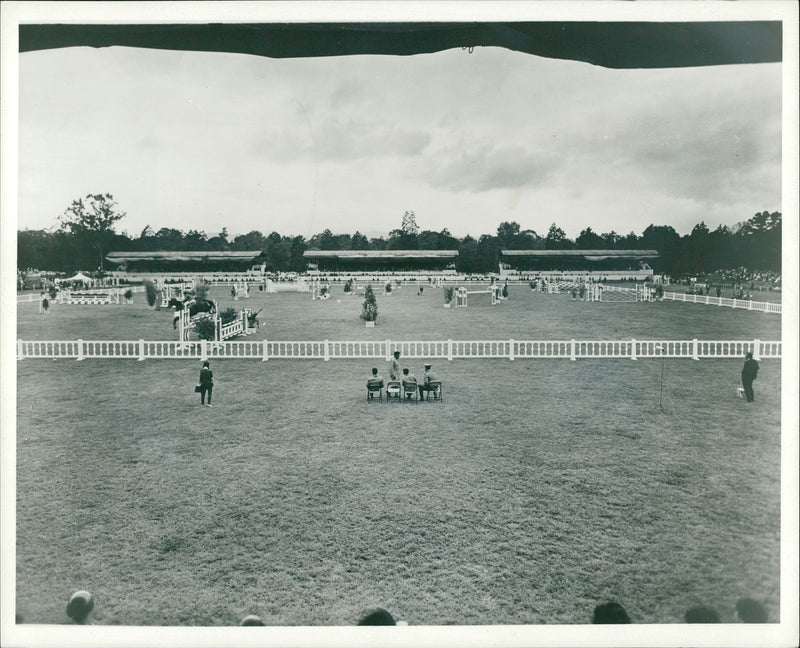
(79, 277)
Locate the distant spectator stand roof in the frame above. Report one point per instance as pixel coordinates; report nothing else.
(380, 254)
(592, 255)
(128, 257)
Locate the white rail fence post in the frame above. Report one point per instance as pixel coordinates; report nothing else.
(511, 350)
(204, 350)
(141, 351)
(264, 356)
(327, 351)
(81, 355)
(633, 349)
(20, 350)
(757, 349)
(450, 350)
(695, 355)
(572, 349)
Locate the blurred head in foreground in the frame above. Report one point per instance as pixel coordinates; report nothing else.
(80, 604)
(376, 616)
(701, 614)
(750, 611)
(611, 612)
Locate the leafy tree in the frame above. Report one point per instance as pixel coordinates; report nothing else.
(556, 239)
(219, 243)
(278, 255)
(588, 240)
(427, 240)
(369, 309)
(506, 233)
(151, 293)
(527, 240)
(467, 259)
(359, 241)
(196, 241)
(378, 243)
(297, 262)
(253, 240)
(488, 254)
(666, 241)
(610, 240)
(92, 219)
(630, 242)
(446, 241)
(169, 239)
(409, 226)
(695, 249)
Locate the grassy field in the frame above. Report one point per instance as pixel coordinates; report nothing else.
(534, 491)
(527, 315)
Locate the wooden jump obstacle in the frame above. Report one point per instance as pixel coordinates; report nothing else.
(286, 286)
(462, 296)
(317, 290)
(596, 292)
(72, 297)
(239, 326)
(240, 291)
(175, 291)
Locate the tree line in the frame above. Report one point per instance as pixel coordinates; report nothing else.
(86, 234)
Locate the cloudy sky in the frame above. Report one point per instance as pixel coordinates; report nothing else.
(203, 141)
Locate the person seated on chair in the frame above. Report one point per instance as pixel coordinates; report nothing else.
(374, 380)
(427, 379)
(408, 379)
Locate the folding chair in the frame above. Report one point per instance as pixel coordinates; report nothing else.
(375, 387)
(394, 390)
(410, 391)
(434, 387)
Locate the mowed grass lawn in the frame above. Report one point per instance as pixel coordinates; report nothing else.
(534, 491)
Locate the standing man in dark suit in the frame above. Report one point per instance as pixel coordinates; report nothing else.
(749, 373)
(206, 383)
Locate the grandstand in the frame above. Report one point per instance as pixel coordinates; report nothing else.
(173, 261)
(381, 260)
(611, 264)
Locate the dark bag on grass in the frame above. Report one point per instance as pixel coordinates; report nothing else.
(197, 389)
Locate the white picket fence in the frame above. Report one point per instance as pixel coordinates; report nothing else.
(118, 291)
(440, 349)
(748, 304)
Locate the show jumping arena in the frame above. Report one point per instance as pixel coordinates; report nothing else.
(560, 471)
